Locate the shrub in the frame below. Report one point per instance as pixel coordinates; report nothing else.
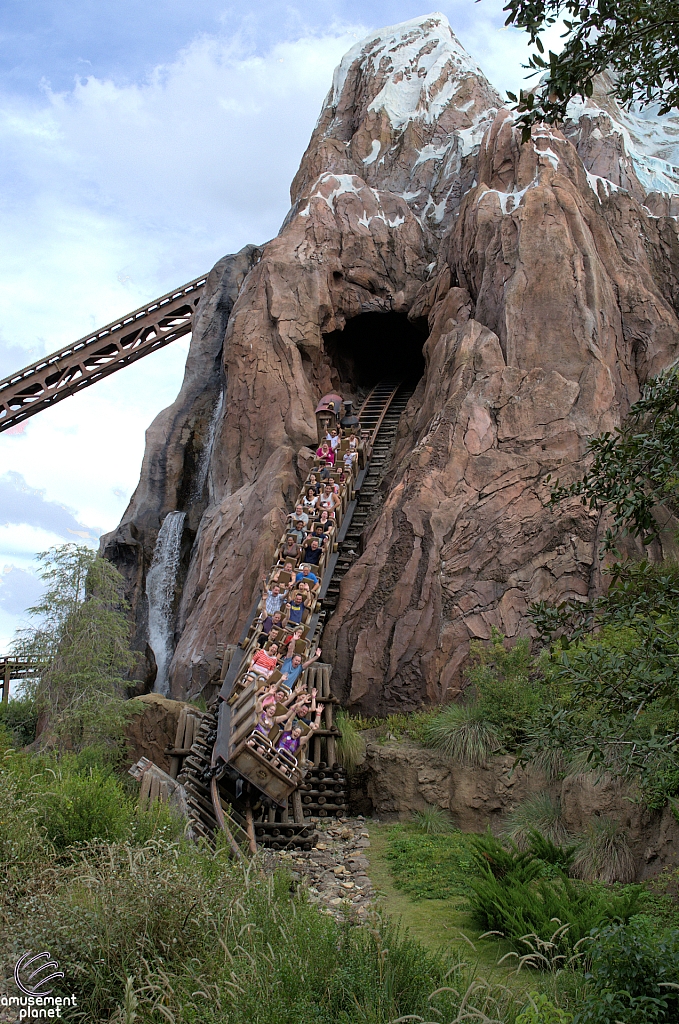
(542, 1011)
(502, 680)
(77, 808)
(463, 733)
(603, 853)
(634, 972)
(20, 717)
(611, 693)
(537, 814)
(512, 893)
(350, 746)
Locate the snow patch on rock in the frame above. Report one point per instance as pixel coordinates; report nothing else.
(651, 141)
(374, 153)
(504, 197)
(424, 62)
(607, 184)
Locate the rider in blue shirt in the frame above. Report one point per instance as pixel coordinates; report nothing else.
(292, 668)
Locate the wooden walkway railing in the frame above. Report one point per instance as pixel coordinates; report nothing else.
(15, 669)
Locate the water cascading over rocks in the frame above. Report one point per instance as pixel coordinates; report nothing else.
(546, 276)
(206, 454)
(160, 591)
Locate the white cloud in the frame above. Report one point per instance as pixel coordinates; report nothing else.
(149, 184)
(110, 195)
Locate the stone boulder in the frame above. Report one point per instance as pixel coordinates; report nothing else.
(152, 728)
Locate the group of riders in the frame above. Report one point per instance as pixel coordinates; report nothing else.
(287, 713)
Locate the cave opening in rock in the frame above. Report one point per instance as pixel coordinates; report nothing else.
(373, 346)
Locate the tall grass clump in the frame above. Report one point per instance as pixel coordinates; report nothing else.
(350, 744)
(540, 813)
(175, 932)
(501, 697)
(604, 854)
(434, 821)
(463, 733)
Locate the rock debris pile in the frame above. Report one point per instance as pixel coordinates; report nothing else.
(334, 873)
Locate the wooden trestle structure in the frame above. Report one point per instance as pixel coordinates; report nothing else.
(14, 670)
(238, 782)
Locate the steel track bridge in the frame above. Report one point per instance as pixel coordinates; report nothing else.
(99, 354)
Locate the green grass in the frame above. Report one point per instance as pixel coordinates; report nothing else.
(173, 932)
(426, 865)
(436, 922)
(412, 726)
(444, 925)
(149, 927)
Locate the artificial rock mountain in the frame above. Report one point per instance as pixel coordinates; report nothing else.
(545, 276)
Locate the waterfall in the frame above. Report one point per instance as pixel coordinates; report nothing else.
(160, 584)
(206, 454)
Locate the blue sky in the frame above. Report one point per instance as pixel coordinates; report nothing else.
(139, 143)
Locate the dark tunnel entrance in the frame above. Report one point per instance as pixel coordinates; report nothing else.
(373, 346)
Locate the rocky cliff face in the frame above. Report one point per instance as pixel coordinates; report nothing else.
(545, 276)
(395, 779)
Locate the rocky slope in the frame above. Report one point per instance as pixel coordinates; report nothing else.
(546, 277)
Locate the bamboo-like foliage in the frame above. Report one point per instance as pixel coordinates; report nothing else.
(81, 634)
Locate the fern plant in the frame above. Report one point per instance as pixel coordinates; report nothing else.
(517, 894)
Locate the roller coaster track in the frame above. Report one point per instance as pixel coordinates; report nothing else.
(382, 419)
(88, 360)
(217, 794)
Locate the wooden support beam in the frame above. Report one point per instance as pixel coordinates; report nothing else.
(297, 812)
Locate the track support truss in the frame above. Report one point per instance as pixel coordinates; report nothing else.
(99, 354)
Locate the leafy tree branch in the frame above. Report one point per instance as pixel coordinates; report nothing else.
(635, 40)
